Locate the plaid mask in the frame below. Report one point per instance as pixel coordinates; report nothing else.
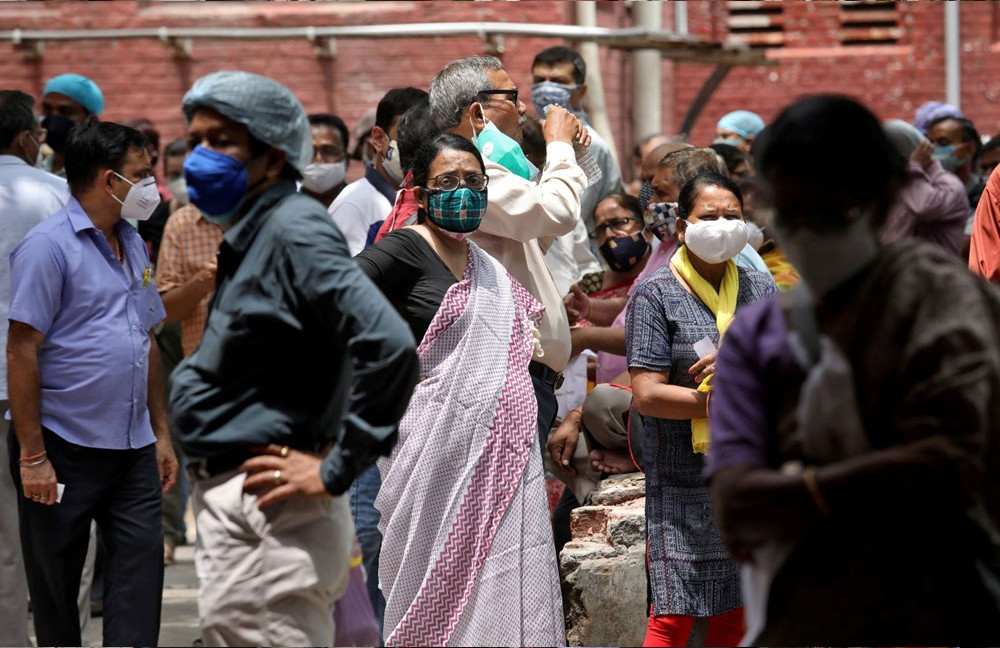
(459, 210)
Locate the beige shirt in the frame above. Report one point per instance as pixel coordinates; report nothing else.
(519, 213)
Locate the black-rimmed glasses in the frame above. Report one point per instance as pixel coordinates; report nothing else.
(511, 94)
(450, 181)
(615, 224)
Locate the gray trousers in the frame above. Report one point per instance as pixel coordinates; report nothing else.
(268, 577)
(13, 584)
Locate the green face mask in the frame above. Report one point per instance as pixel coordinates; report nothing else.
(503, 150)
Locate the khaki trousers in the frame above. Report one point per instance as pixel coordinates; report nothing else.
(271, 577)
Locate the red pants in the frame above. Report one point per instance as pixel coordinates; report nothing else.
(675, 630)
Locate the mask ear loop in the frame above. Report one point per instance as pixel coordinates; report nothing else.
(472, 125)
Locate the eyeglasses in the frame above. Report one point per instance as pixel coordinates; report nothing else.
(450, 181)
(615, 224)
(511, 94)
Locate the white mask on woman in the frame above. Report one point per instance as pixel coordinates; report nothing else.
(716, 241)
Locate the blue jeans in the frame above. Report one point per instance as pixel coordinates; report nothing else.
(363, 492)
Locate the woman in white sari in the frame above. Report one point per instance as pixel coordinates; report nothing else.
(467, 555)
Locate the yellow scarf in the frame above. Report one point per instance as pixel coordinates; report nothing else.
(723, 304)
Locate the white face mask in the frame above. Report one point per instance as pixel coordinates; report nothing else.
(321, 177)
(142, 199)
(716, 241)
(755, 236)
(829, 258)
(391, 163)
(178, 188)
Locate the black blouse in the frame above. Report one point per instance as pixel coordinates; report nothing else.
(410, 274)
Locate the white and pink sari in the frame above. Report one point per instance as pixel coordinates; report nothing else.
(467, 553)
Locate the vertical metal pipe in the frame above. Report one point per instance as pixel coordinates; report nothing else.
(952, 54)
(586, 16)
(681, 16)
(646, 72)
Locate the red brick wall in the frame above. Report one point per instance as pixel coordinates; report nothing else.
(142, 77)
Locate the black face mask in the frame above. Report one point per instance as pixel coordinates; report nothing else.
(57, 130)
(623, 253)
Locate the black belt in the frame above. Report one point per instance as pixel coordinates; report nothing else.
(548, 375)
(208, 467)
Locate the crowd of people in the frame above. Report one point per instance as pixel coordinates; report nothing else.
(792, 330)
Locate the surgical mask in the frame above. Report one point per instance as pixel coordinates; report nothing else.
(547, 93)
(731, 141)
(367, 154)
(946, 156)
(716, 241)
(827, 259)
(57, 130)
(39, 156)
(178, 187)
(458, 211)
(662, 220)
(645, 195)
(755, 235)
(321, 177)
(141, 200)
(502, 149)
(217, 184)
(622, 253)
(391, 163)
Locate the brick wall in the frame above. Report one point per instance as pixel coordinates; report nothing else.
(142, 77)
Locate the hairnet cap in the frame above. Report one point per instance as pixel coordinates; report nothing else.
(742, 122)
(268, 109)
(80, 89)
(903, 136)
(932, 111)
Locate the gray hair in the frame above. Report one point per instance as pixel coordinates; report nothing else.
(17, 114)
(457, 86)
(690, 162)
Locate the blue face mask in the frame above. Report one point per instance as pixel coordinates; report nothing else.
(458, 211)
(946, 156)
(217, 184)
(546, 93)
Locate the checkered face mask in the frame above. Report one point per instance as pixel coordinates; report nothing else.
(459, 210)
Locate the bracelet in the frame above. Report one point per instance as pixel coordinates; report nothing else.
(809, 479)
(23, 464)
(34, 457)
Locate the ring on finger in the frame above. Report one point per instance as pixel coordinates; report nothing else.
(284, 451)
(277, 476)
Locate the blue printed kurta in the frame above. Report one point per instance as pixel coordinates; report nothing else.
(690, 572)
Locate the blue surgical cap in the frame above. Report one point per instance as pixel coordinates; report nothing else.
(268, 109)
(742, 122)
(932, 111)
(78, 88)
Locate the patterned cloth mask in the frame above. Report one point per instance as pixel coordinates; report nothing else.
(458, 211)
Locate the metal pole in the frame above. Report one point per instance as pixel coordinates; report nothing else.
(597, 111)
(681, 17)
(952, 54)
(646, 74)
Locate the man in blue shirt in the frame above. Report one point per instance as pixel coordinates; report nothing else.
(86, 394)
(298, 384)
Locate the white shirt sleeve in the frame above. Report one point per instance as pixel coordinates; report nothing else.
(523, 210)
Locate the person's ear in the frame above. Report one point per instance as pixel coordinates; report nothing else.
(581, 92)
(379, 140)
(476, 113)
(681, 226)
(106, 178)
(276, 159)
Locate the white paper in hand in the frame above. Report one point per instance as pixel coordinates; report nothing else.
(59, 492)
(704, 347)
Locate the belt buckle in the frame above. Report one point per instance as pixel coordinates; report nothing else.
(198, 468)
(558, 382)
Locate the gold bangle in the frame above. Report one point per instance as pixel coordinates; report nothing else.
(809, 479)
(30, 464)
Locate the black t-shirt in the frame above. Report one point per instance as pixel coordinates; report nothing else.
(410, 274)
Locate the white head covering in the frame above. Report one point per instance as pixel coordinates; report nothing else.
(903, 136)
(268, 109)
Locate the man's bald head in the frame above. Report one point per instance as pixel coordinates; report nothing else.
(651, 162)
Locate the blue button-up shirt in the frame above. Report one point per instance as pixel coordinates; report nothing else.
(95, 314)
